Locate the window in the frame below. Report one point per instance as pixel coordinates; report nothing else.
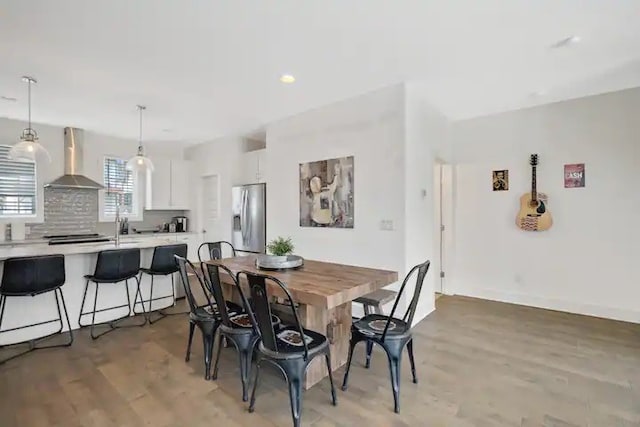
(18, 186)
(119, 188)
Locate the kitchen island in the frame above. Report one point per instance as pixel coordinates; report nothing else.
(80, 259)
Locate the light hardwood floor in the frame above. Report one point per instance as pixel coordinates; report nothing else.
(479, 363)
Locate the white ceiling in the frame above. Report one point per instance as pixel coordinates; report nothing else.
(211, 68)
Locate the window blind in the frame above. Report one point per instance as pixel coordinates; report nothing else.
(18, 186)
(119, 187)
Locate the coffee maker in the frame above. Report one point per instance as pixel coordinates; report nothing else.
(181, 223)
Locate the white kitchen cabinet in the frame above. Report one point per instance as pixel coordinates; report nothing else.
(179, 197)
(253, 167)
(167, 187)
(192, 240)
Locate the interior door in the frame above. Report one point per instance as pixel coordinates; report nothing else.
(210, 208)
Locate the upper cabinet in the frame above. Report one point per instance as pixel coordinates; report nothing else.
(253, 167)
(168, 185)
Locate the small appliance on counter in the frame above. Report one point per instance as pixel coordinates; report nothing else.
(180, 223)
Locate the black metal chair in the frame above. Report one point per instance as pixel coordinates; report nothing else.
(163, 263)
(391, 333)
(205, 316)
(238, 327)
(113, 266)
(33, 276)
(291, 349)
(215, 250)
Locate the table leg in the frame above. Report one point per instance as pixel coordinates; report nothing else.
(336, 324)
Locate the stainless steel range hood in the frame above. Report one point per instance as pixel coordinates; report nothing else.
(73, 163)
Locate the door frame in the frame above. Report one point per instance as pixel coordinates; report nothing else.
(443, 207)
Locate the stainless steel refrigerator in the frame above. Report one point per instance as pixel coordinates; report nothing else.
(248, 204)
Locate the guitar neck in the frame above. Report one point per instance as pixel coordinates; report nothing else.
(534, 192)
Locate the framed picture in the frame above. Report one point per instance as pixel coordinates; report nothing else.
(501, 180)
(574, 175)
(326, 193)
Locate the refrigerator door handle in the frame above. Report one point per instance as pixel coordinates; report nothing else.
(243, 216)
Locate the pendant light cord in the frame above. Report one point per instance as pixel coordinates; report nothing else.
(29, 102)
(140, 109)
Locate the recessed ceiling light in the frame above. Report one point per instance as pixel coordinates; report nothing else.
(566, 42)
(539, 92)
(8, 98)
(287, 78)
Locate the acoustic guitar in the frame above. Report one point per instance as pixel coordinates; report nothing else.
(533, 214)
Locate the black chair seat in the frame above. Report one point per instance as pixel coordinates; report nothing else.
(95, 279)
(159, 272)
(243, 321)
(289, 342)
(373, 325)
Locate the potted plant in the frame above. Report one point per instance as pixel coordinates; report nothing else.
(279, 248)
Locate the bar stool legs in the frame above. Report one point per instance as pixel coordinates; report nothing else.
(111, 323)
(161, 313)
(33, 342)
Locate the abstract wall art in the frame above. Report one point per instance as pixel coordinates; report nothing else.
(327, 193)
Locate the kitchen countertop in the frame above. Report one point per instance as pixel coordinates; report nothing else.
(81, 248)
(12, 243)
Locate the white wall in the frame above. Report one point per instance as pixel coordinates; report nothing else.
(587, 262)
(426, 142)
(222, 157)
(368, 127)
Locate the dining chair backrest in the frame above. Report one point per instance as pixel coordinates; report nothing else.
(215, 250)
(421, 270)
(183, 266)
(215, 283)
(262, 309)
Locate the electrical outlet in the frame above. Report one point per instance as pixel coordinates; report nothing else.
(386, 225)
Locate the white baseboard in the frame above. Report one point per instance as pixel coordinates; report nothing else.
(614, 313)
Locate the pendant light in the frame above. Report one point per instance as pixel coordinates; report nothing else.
(140, 162)
(29, 149)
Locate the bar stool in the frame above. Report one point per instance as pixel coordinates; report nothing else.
(33, 276)
(163, 263)
(113, 266)
(374, 300)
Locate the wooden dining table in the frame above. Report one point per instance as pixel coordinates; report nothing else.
(323, 292)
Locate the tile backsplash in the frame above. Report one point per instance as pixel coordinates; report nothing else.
(67, 211)
(75, 211)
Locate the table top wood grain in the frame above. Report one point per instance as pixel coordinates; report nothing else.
(318, 283)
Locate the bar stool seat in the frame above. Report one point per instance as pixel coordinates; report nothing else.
(113, 266)
(31, 277)
(163, 263)
(376, 300)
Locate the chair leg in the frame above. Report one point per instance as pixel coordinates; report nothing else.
(66, 315)
(394, 368)
(192, 327)
(207, 341)
(256, 379)
(135, 299)
(411, 361)
(218, 340)
(334, 400)
(245, 370)
(93, 315)
(352, 345)
(84, 296)
(369, 351)
(295, 396)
